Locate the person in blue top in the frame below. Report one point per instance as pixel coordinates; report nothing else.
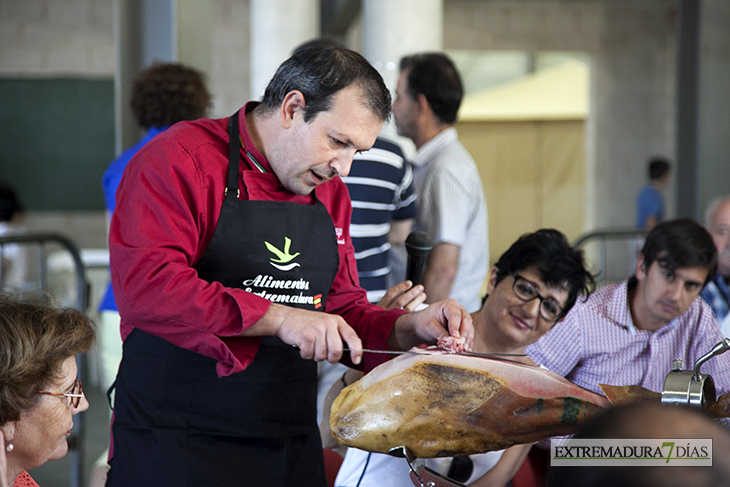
(650, 202)
(162, 95)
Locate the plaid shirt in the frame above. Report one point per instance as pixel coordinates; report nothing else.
(452, 209)
(599, 344)
(717, 295)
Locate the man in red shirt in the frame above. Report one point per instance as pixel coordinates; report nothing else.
(230, 238)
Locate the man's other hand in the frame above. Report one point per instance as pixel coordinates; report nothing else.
(404, 295)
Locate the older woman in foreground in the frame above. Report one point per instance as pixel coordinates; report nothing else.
(39, 387)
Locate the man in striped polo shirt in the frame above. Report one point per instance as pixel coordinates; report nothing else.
(383, 209)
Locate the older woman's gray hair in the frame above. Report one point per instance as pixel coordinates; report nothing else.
(35, 339)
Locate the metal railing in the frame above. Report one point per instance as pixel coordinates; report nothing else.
(632, 238)
(75, 441)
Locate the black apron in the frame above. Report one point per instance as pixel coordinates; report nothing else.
(176, 423)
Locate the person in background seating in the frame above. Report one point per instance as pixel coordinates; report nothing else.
(530, 289)
(629, 333)
(39, 387)
(717, 291)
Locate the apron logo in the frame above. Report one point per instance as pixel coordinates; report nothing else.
(284, 258)
(339, 233)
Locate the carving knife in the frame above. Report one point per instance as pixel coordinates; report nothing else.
(426, 352)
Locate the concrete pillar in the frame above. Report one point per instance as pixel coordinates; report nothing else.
(149, 30)
(687, 107)
(392, 30)
(128, 57)
(713, 143)
(277, 28)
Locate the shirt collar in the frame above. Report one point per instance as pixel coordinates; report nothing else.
(248, 143)
(619, 308)
(425, 153)
(619, 305)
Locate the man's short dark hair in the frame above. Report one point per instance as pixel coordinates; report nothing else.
(167, 93)
(658, 167)
(559, 264)
(680, 243)
(434, 76)
(320, 71)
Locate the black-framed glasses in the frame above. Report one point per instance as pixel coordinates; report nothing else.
(77, 392)
(550, 310)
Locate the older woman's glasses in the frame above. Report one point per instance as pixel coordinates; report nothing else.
(550, 310)
(74, 396)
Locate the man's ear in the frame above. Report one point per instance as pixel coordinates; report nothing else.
(640, 267)
(422, 102)
(293, 102)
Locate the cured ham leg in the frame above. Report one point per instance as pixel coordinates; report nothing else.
(439, 404)
(619, 395)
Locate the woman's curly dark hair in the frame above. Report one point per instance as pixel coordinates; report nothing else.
(166, 93)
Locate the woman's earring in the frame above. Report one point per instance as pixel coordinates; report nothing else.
(10, 447)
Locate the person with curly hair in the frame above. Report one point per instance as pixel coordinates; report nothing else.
(39, 387)
(162, 95)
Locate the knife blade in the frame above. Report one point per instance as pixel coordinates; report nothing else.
(468, 354)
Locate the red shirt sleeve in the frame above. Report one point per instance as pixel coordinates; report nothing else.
(347, 298)
(167, 205)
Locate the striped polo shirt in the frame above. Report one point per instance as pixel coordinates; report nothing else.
(380, 185)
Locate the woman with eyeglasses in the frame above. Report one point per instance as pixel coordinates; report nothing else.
(39, 388)
(532, 287)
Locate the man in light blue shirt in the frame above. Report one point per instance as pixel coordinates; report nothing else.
(452, 208)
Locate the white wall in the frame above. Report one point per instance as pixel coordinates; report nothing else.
(633, 65)
(631, 42)
(56, 37)
(75, 38)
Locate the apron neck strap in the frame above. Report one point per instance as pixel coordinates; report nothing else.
(232, 190)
